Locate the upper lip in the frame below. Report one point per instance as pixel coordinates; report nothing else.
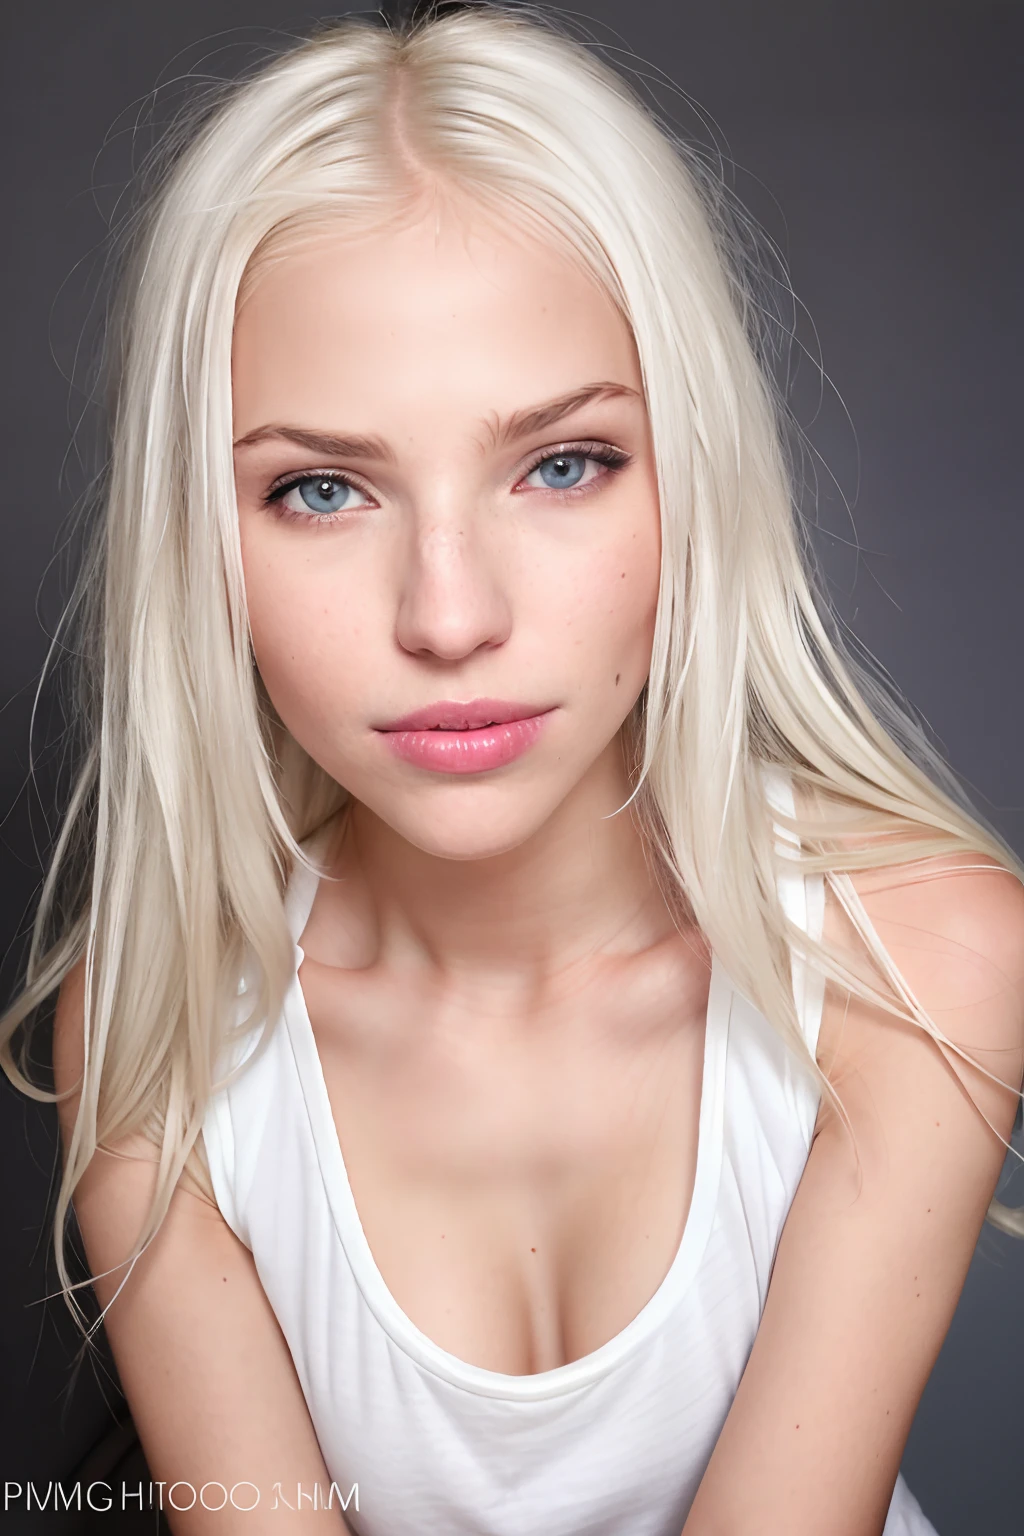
(452, 715)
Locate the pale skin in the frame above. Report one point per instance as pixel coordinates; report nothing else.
(511, 1027)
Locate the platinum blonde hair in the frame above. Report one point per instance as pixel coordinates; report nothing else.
(192, 799)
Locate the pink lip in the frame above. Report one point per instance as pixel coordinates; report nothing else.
(451, 737)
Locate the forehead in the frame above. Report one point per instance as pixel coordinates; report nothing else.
(452, 312)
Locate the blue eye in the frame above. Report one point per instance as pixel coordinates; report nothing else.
(321, 494)
(317, 496)
(562, 470)
(576, 467)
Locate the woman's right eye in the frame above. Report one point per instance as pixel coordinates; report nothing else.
(318, 496)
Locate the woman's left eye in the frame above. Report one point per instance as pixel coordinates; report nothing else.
(571, 469)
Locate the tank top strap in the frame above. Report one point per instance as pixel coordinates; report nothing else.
(803, 901)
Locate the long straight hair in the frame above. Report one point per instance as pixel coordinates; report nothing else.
(192, 798)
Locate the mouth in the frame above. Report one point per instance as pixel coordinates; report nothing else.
(455, 738)
(477, 714)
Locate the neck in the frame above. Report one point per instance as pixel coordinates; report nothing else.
(580, 886)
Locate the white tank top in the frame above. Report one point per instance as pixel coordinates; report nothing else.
(616, 1441)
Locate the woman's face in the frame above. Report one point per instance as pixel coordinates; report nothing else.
(448, 511)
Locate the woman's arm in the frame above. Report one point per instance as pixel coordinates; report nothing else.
(205, 1368)
(872, 1261)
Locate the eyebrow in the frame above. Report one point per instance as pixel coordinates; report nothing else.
(329, 444)
(537, 418)
(520, 424)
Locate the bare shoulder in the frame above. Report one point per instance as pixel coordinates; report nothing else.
(965, 901)
(68, 1066)
(954, 929)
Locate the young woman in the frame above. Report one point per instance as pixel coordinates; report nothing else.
(498, 930)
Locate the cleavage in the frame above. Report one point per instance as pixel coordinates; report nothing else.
(523, 1193)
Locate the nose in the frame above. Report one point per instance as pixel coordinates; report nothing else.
(452, 601)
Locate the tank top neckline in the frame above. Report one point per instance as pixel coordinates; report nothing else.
(397, 1324)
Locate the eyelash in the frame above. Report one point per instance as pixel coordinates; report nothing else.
(614, 459)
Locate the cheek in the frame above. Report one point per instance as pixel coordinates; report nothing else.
(305, 619)
(607, 607)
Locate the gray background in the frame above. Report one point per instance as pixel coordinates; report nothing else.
(879, 144)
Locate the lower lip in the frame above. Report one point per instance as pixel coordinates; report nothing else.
(492, 746)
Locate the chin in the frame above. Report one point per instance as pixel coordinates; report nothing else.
(469, 825)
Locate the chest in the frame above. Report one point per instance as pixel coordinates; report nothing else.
(522, 1185)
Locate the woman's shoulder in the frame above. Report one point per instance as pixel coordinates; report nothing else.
(953, 928)
(68, 1055)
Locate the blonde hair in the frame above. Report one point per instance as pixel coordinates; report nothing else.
(192, 798)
